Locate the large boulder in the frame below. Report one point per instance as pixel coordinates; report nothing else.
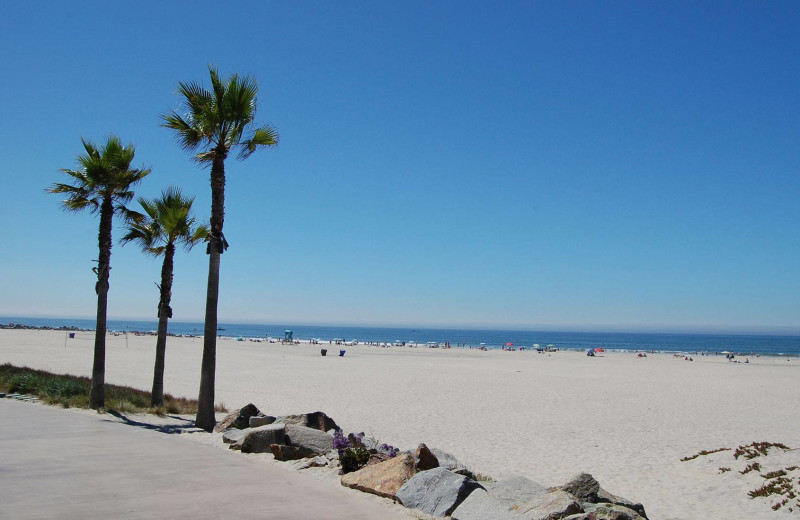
(384, 478)
(586, 489)
(261, 420)
(501, 500)
(238, 418)
(315, 441)
(317, 420)
(437, 492)
(552, 505)
(480, 505)
(258, 440)
(284, 453)
(424, 459)
(514, 492)
(233, 436)
(604, 497)
(446, 460)
(610, 511)
(583, 486)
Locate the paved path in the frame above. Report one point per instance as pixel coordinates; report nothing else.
(60, 464)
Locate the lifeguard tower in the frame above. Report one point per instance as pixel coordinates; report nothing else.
(288, 336)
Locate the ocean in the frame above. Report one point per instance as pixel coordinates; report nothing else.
(675, 343)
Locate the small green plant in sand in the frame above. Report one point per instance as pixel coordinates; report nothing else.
(73, 391)
(775, 486)
(704, 452)
(779, 485)
(751, 451)
(753, 466)
(774, 474)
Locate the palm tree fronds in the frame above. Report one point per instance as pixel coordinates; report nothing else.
(166, 220)
(200, 235)
(264, 136)
(204, 157)
(189, 136)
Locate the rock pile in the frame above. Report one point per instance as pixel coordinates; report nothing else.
(429, 480)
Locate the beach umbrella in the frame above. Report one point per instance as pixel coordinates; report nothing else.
(509, 344)
(724, 352)
(536, 345)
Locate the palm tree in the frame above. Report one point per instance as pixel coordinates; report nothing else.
(166, 222)
(215, 122)
(102, 184)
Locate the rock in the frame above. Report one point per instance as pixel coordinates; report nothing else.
(479, 505)
(237, 419)
(261, 420)
(315, 441)
(502, 500)
(604, 496)
(233, 435)
(317, 420)
(316, 462)
(551, 506)
(332, 455)
(376, 458)
(583, 486)
(424, 459)
(284, 453)
(384, 478)
(437, 491)
(514, 492)
(258, 440)
(610, 511)
(586, 489)
(446, 460)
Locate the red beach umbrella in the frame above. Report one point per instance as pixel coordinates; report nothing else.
(509, 344)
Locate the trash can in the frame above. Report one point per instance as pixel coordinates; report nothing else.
(323, 351)
(72, 335)
(341, 352)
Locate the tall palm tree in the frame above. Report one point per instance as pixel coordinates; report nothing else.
(102, 184)
(165, 223)
(216, 121)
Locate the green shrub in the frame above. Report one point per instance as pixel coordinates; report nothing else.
(73, 391)
(353, 459)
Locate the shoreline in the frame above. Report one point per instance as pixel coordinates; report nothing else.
(340, 342)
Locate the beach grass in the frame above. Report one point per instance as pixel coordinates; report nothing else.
(73, 392)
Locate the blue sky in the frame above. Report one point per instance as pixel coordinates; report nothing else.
(539, 165)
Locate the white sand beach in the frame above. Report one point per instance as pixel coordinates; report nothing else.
(626, 420)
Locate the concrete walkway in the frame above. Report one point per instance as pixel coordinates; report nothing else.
(61, 464)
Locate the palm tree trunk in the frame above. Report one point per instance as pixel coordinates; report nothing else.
(164, 314)
(205, 402)
(97, 394)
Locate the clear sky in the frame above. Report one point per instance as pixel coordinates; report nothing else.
(539, 165)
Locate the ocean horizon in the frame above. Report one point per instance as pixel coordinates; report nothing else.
(684, 343)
